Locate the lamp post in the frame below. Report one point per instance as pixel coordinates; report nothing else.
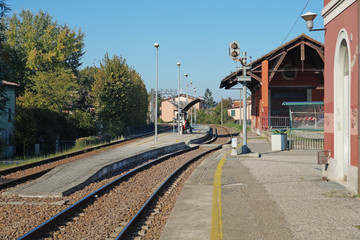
(309, 18)
(195, 106)
(179, 128)
(191, 109)
(187, 95)
(156, 91)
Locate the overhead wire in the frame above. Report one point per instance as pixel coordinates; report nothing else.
(292, 28)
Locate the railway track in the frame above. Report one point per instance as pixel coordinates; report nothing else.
(16, 175)
(94, 214)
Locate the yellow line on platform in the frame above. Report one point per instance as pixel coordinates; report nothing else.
(216, 223)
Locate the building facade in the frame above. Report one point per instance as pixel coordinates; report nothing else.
(292, 72)
(7, 119)
(238, 113)
(169, 107)
(341, 128)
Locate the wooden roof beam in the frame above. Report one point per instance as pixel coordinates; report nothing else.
(277, 65)
(254, 76)
(318, 49)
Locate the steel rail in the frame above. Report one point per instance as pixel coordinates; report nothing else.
(42, 228)
(23, 179)
(38, 231)
(130, 224)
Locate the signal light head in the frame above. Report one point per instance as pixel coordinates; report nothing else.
(234, 49)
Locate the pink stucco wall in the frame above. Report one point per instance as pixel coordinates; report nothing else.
(346, 20)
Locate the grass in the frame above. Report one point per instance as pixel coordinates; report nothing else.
(27, 159)
(236, 126)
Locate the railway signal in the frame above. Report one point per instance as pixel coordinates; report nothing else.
(234, 49)
(234, 52)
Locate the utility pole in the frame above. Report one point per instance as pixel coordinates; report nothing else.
(222, 119)
(179, 127)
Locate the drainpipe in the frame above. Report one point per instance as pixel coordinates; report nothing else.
(358, 93)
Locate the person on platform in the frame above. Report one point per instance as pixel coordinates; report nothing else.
(188, 126)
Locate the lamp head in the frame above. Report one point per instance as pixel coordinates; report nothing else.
(186, 75)
(309, 17)
(178, 63)
(156, 45)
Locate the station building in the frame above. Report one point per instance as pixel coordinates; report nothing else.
(341, 128)
(292, 72)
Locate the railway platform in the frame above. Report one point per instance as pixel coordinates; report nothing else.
(67, 178)
(279, 195)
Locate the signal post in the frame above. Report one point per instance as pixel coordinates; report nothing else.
(234, 52)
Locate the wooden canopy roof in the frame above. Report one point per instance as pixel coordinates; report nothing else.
(310, 49)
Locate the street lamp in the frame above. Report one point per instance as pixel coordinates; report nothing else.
(195, 106)
(179, 129)
(309, 18)
(187, 95)
(156, 91)
(191, 109)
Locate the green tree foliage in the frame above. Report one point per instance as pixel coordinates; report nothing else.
(85, 80)
(36, 125)
(3, 10)
(54, 90)
(202, 116)
(120, 96)
(3, 98)
(208, 99)
(213, 116)
(216, 114)
(44, 57)
(36, 44)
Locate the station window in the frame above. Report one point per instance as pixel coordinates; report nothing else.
(233, 113)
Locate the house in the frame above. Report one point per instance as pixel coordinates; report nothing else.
(237, 113)
(291, 72)
(169, 106)
(7, 119)
(341, 128)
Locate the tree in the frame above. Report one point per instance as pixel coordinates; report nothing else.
(85, 80)
(208, 99)
(55, 90)
(120, 96)
(44, 57)
(3, 98)
(214, 115)
(36, 44)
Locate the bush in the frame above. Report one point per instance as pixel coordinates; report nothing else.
(93, 140)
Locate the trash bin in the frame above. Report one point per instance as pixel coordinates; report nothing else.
(278, 142)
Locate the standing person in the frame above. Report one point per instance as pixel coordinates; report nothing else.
(187, 124)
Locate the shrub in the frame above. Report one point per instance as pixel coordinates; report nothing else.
(93, 140)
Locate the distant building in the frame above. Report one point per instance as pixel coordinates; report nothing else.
(236, 113)
(7, 119)
(169, 107)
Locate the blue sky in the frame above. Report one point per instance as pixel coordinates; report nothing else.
(196, 33)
